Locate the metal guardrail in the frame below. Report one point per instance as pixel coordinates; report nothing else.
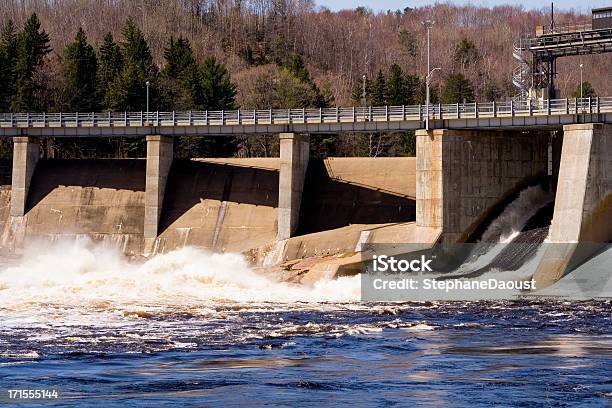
(308, 116)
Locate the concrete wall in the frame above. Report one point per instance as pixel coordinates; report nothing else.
(102, 199)
(583, 204)
(220, 204)
(342, 191)
(462, 175)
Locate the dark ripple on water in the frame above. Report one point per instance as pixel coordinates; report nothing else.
(516, 353)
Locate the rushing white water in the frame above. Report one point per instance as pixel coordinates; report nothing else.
(83, 273)
(507, 226)
(516, 215)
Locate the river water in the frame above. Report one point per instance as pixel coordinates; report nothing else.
(197, 329)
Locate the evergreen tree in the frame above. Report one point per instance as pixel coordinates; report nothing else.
(32, 47)
(297, 68)
(420, 95)
(465, 54)
(180, 77)
(413, 84)
(128, 90)
(8, 60)
(179, 58)
(397, 87)
(81, 74)
(357, 91)
(215, 91)
(587, 91)
(457, 89)
(110, 64)
(136, 50)
(378, 91)
(218, 91)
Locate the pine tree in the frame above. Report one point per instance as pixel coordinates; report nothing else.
(413, 84)
(587, 91)
(215, 91)
(81, 74)
(296, 67)
(179, 58)
(465, 54)
(110, 64)
(128, 89)
(218, 91)
(136, 50)
(32, 47)
(357, 91)
(458, 89)
(397, 89)
(378, 91)
(8, 60)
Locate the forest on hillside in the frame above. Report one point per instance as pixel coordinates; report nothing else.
(86, 55)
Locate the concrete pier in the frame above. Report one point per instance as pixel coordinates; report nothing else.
(294, 155)
(461, 175)
(26, 152)
(160, 154)
(583, 204)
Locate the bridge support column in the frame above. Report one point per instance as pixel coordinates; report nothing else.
(160, 154)
(463, 175)
(294, 155)
(26, 152)
(583, 204)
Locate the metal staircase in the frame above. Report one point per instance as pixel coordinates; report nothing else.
(521, 73)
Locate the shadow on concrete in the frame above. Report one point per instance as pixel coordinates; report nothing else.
(328, 203)
(192, 181)
(117, 174)
(6, 171)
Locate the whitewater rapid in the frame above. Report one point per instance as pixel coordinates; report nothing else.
(83, 273)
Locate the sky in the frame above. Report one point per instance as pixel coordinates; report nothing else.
(377, 5)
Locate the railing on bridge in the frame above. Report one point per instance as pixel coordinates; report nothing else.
(307, 116)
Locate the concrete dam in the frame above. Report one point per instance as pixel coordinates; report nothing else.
(314, 215)
(225, 205)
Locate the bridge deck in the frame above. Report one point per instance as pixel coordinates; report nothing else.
(549, 113)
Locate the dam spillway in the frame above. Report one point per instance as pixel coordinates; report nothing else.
(155, 204)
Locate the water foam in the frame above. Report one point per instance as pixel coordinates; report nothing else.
(516, 215)
(85, 273)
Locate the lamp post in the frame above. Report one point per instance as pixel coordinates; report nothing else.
(147, 83)
(581, 80)
(428, 24)
(364, 101)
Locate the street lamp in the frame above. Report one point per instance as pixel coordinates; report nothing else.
(428, 24)
(427, 82)
(581, 80)
(147, 83)
(364, 101)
